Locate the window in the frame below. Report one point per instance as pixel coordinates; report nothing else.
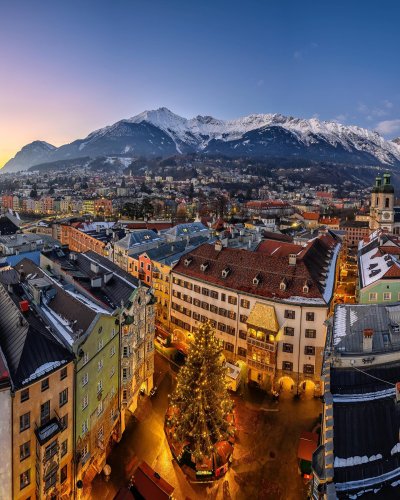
(242, 352)
(100, 365)
(309, 369)
(64, 474)
(387, 296)
(245, 303)
(64, 421)
(24, 395)
(64, 447)
(85, 358)
(287, 347)
(243, 318)
(100, 345)
(85, 427)
(50, 450)
(287, 365)
(100, 408)
(232, 300)
(112, 351)
(386, 202)
(125, 351)
(205, 306)
(24, 479)
(44, 413)
(100, 434)
(242, 334)
(124, 373)
(85, 401)
(197, 289)
(310, 316)
(213, 294)
(228, 346)
(85, 379)
(124, 395)
(205, 292)
(25, 450)
(50, 479)
(373, 297)
(100, 329)
(310, 334)
(113, 332)
(99, 386)
(288, 330)
(63, 397)
(63, 373)
(223, 297)
(45, 384)
(289, 314)
(112, 371)
(309, 350)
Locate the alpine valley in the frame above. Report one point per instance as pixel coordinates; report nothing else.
(161, 134)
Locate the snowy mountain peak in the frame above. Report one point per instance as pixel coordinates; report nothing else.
(162, 133)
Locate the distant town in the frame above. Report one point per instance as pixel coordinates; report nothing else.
(109, 280)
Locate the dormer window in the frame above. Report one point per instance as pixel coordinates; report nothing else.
(256, 280)
(187, 262)
(225, 272)
(283, 285)
(306, 288)
(204, 266)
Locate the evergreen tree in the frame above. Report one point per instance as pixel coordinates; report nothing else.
(201, 397)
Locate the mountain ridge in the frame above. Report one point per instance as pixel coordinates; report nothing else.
(162, 133)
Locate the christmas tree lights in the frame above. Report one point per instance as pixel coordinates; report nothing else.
(200, 412)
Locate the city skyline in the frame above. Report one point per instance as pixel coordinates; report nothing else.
(70, 70)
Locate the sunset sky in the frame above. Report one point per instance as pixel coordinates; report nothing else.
(70, 67)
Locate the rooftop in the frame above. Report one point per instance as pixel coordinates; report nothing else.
(309, 277)
(351, 320)
(30, 349)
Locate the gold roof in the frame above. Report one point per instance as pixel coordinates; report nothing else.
(263, 316)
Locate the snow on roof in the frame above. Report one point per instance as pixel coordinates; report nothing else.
(60, 324)
(45, 368)
(330, 280)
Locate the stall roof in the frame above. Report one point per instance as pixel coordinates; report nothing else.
(308, 443)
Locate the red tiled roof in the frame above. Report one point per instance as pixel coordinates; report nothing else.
(329, 221)
(245, 265)
(392, 272)
(310, 216)
(278, 248)
(270, 235)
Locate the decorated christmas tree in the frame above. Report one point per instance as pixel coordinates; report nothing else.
(200, 407)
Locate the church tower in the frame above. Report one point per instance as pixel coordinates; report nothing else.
(382, 205)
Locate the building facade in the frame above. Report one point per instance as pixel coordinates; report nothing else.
(268, 312)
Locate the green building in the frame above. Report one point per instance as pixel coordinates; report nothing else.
(379, 269)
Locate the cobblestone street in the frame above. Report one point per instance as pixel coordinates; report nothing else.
(264, 461)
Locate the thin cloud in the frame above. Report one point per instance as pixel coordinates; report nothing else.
(388, 127)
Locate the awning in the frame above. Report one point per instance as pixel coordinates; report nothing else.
(263, 316)
(308, 443)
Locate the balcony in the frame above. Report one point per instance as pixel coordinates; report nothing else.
(259, 365)
(47, 431)
(266, 346)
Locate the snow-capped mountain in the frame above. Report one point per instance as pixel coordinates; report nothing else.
(162, 133)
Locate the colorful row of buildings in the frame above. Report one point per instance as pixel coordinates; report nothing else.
(76, 349)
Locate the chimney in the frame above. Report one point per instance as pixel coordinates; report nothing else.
(218, 246)
(292, 259)
(368, 335)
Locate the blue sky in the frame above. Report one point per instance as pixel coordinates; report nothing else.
(68, 67)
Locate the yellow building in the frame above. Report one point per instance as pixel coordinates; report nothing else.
(41, 370)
